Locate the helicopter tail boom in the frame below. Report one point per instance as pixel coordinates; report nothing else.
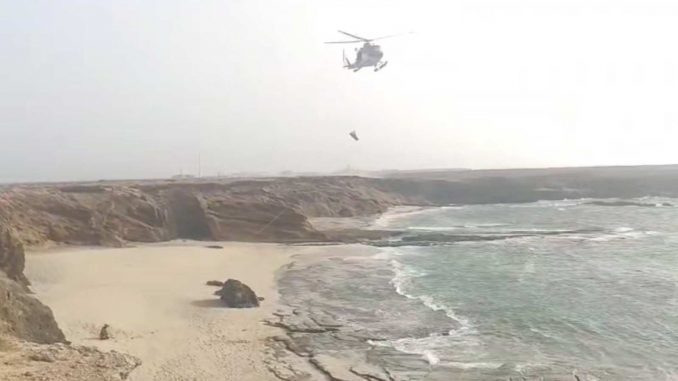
(347, 63)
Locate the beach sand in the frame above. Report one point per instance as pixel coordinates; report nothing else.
(155, 299)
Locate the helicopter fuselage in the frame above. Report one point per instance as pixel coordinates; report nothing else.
(368, 55)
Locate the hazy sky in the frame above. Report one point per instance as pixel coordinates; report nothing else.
(125, 89)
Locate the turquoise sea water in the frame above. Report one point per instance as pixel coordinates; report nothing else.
(566, 288)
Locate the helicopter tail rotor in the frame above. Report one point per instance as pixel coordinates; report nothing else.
(347, 63)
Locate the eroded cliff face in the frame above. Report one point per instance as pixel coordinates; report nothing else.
(21, 315)
(25, 317)
(263, 210)
(111, 213)
(83, 215)
(12, 258)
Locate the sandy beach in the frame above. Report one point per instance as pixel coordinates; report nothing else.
(155, 299)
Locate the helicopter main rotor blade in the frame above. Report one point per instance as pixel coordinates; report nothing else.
(354, 36)
(390, 36)
(343, 42)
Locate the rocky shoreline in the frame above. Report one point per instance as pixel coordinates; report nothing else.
(114, 214)
(316, 343)
(301, 363)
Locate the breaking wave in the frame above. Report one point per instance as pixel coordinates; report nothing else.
(425, 346)
(398, 213)
(403, 276)
(413, 346)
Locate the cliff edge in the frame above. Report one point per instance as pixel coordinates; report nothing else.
(22, 315)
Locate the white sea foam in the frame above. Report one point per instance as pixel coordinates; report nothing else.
(543, 333)
(386, 253)
(486, 225)
(624, 233)
(402, 212)
(423, 346)
(395, 214)
(475, 365)
(431, 357)
(481, 225)
(521, 368)
(402, 278)
(545, 204)
(545, 231)
(435, 228)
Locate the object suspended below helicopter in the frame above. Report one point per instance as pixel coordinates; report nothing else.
(368, 55)
(354, 135)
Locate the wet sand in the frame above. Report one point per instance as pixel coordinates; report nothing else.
(155, 299)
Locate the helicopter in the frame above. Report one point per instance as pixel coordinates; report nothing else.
(368, 55)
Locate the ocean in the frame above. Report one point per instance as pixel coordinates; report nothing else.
(546, 290)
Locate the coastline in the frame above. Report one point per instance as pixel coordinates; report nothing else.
(318, 315)
(331, 311)
(155, 299)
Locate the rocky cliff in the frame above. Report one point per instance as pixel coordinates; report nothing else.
(12, 258)
(21, 315)
(32, 347)
(265, 210)
(112, 213)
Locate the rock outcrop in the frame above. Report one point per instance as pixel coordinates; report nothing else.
(59, 362)
(236, 294)
(21, 315)
(32, 347)
(24, 317)
(12, 258)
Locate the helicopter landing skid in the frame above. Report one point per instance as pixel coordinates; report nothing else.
(380, 66)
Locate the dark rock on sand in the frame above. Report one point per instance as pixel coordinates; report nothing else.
(214, 247)
(215, 283)
(236, 294)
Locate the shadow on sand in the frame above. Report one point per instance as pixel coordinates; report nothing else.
(208, 303)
